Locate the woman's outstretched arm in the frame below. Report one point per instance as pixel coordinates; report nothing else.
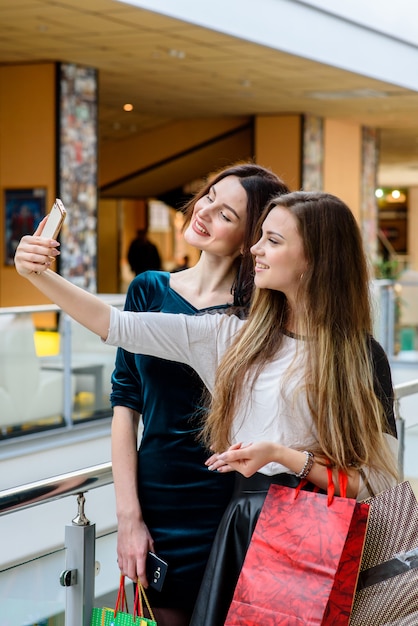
(33, 258)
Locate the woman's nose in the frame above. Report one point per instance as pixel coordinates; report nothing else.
(255, 249)
(204, 211)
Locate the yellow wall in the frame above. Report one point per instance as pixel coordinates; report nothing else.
(108, 247)
(342, 162)
(278, 146)
(27, 154)
(120, 158)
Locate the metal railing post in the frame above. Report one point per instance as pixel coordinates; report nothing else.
(400, 427)
(67, 354)
(78, 577)
(400, 430)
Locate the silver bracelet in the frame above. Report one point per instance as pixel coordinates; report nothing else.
(308, 465)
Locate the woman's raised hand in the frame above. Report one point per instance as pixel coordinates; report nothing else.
(35, 254)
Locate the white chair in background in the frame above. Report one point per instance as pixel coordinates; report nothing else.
(27, 392)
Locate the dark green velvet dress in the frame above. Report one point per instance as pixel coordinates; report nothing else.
(181, 500)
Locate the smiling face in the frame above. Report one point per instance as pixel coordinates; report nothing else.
(279, 257)
(218, 222)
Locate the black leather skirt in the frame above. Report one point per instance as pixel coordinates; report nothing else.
(231, 544)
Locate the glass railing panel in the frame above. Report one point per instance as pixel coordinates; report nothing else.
(91, 366)
(31, 594)
(407, 312)
(410, 458)
(67, 370)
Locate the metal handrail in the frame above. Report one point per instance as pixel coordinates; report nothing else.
(406, 389)
(49, 489)
(114, 299)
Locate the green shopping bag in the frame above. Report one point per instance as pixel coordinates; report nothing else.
(120, 616)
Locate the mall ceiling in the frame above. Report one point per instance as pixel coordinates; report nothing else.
(170, 70)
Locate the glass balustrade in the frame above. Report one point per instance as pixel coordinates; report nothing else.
(53, 372)
(30, 593)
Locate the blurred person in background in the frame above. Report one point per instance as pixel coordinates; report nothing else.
(143, 255)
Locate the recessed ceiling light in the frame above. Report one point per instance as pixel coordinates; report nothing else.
(128, 107)
(343, 95)
(178, 54)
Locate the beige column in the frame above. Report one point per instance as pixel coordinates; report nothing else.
(278, 146)
(343, 162)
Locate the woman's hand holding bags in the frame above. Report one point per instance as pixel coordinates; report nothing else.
(120, 616)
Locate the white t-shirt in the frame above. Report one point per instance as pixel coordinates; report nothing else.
(270, 411)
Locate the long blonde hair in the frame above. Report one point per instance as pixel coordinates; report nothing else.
(336, 318)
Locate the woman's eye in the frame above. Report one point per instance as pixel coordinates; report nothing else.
(209, 198)
(225, 217)
(273, 241)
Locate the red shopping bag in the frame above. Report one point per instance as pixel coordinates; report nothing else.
(303, 561)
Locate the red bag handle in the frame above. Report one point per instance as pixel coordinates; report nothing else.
(121, 600)
(302, 483)
(342, 481)
(138, 608)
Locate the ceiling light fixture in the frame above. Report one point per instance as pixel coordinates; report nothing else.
(128, 107)
(178, 54)
(348, 94)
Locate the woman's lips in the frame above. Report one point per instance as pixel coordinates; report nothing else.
(199, 228)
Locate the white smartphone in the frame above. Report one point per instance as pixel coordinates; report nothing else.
(55, 220)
